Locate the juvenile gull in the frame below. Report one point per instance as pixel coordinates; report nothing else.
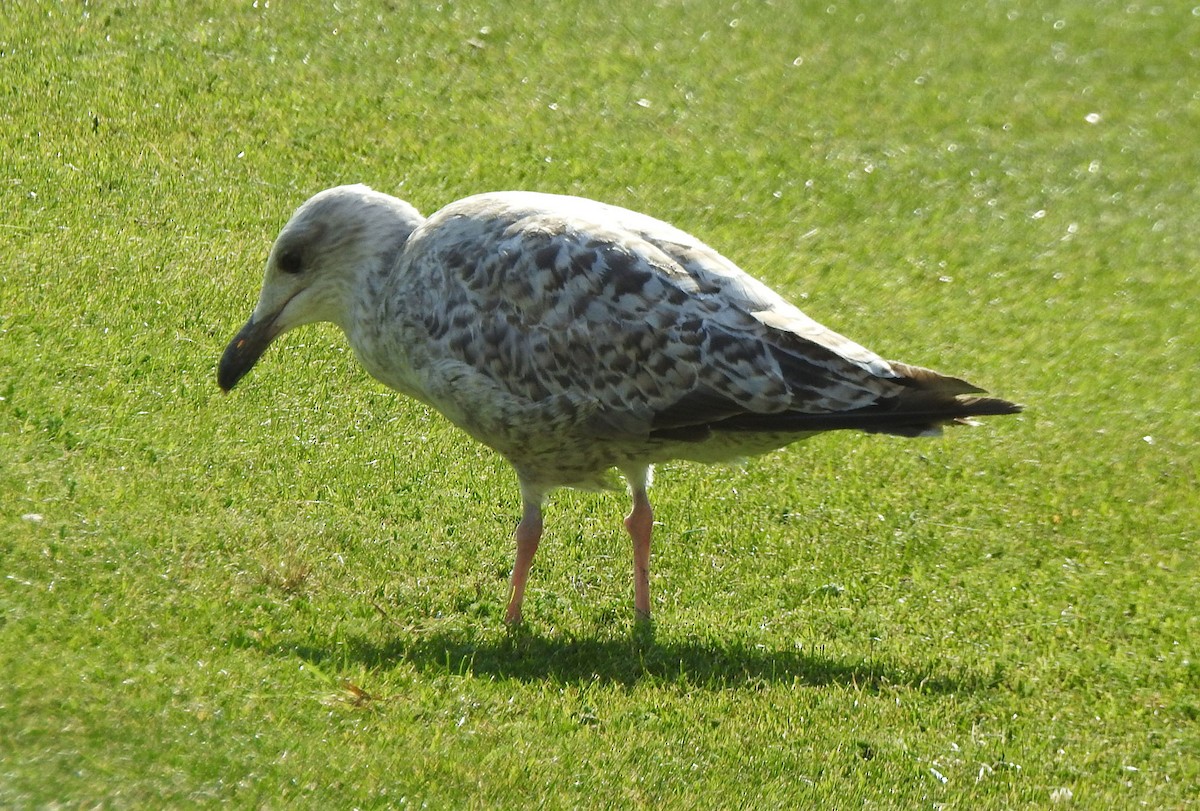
(578, 339)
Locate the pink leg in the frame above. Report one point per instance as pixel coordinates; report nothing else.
(640, 522)
(529, 532)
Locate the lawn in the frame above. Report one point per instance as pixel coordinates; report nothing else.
(291, 596)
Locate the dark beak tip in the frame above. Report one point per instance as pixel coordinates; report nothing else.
(228, 376)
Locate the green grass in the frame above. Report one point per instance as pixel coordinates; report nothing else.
(291, 596)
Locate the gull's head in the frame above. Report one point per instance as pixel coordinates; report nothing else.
(317, 267)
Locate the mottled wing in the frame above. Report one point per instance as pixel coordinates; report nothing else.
(634, 323)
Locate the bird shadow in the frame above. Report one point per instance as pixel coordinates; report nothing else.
(531, 656)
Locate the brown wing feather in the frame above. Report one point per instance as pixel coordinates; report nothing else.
(633, 319)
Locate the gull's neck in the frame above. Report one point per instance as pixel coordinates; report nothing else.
(380, 322)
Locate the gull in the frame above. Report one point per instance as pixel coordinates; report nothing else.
(579, 339)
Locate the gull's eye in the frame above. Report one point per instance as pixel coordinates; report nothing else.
(290, 261)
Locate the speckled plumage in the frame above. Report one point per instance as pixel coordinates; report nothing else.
(577, 338)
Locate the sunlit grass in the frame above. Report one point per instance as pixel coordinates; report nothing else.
(292, 595)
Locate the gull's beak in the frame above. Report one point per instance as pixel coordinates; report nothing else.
(244, 350)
